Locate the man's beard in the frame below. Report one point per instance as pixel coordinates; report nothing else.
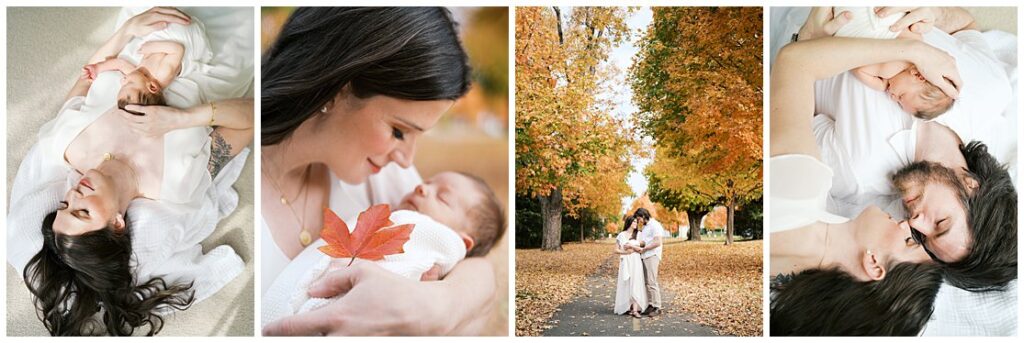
(922, 173)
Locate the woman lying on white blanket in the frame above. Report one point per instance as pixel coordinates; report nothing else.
(112, 159)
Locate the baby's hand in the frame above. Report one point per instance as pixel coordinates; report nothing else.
(89, 72)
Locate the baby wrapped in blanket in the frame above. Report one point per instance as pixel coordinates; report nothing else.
(156, 67)
(455, 216)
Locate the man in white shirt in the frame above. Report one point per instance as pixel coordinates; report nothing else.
(651, 235)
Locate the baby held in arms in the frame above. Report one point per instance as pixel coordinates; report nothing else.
(142, 84)
(900, 80)
(151, 63)
(453, 216)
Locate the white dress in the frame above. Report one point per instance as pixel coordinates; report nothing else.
(630, 285)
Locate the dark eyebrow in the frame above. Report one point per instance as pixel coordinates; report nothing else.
(409, 124)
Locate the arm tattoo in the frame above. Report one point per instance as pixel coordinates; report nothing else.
(220, 153)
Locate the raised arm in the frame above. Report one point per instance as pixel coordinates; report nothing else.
(799, 64)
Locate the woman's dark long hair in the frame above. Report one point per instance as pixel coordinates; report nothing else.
(74, 277)
(629, 221)
(830, 302)
(410, 53)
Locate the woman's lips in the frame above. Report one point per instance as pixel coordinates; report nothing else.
(374, 168)
(85, 182)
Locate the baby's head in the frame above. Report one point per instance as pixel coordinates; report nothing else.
(139, 87)
(464, 203)
(917, 96)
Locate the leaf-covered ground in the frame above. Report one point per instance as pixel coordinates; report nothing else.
(719, 285)
(546, 280)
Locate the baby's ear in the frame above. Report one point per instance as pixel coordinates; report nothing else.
(873, 267)
(153, 87)
(467, 240)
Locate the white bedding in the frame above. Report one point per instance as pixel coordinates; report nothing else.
(166, 239)
(991, 313)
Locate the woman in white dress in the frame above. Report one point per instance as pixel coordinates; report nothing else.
(346, 94)
(89, 261)
(630, 290)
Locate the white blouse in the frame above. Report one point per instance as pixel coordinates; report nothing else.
(799, 192)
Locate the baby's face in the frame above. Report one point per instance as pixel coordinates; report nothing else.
(907, 88)
(133, 86)
(447, 198)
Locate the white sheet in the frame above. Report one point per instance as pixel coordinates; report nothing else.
(990, 313)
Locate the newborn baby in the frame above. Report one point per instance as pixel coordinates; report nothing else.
(899, 79)
(456, 216)
(158, 59)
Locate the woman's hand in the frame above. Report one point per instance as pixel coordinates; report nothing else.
(377, 302)
(917, 19)
(155, 19)
(154, 121)
(937, 67)
(823, 22)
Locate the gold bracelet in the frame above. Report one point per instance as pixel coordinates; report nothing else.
(213, 112)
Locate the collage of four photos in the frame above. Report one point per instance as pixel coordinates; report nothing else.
(511, 171)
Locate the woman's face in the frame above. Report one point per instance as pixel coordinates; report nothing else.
(88, 206)
(361, 136)
(890, 242)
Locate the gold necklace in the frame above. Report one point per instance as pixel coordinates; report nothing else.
(305, 238)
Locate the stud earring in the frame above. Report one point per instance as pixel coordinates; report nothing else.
(323, 110)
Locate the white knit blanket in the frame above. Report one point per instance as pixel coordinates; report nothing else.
(431, 243)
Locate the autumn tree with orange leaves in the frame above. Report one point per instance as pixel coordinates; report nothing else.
(697, 81)
(571, 153)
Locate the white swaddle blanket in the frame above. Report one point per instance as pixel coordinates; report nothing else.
(431, 243)
(866, 24)
(183, 91)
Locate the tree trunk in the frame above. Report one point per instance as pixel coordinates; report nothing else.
(694, 217)
(581, 231)
(551, 210)
(730, 220)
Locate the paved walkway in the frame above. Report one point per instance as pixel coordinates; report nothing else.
(591, 314)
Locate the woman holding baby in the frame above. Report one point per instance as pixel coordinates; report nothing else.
(94, 272)
(342, 109)
(631, 289)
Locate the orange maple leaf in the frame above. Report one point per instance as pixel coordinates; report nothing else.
(374, 237)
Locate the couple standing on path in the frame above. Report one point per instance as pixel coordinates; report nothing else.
(639, 250)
